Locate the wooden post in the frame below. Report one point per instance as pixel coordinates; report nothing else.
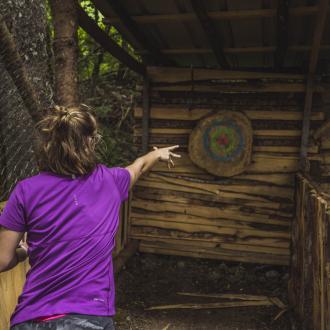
(317, 37)
(146, 115)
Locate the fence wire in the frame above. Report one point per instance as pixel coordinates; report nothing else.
(17, 158)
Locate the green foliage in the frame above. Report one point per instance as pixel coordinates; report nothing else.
(97, 73)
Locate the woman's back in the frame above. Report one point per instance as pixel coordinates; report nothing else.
(71, 224)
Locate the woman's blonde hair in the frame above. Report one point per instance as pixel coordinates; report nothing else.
(66, 140)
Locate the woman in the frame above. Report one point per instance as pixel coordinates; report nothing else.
(70, 211)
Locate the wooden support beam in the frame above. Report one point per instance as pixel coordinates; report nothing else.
(282, 33)
(235, 50)
(210, 32)
(110, 6)
(318, 32)
(220, 15)
(146, 115)
(107, 43)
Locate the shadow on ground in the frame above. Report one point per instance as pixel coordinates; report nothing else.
(151, 280)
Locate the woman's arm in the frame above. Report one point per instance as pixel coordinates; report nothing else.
(146, 162)
(10, 254)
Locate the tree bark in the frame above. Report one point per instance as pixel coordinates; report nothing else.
(65, 51)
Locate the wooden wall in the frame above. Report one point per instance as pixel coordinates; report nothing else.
(186, 211)
(310, 267)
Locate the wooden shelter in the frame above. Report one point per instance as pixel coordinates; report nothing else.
(265, 59)
(268, 60)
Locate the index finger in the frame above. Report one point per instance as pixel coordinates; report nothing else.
(173, 147)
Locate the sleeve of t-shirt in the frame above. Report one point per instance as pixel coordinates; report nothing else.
(122, 179)
(13, 216)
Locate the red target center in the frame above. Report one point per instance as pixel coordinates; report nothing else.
(222, 140)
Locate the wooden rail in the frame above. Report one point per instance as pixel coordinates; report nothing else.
(310, 265)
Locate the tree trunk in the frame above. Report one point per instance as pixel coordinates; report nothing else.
(65, 51)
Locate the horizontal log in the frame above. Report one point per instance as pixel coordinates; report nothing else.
(270, 87)
(182, 139)
(218, 305)
(235, 198)
(263, 124)
(209, 240)
(261, 132)
(209, 212)
(224, 225)
(234, 50)
(225, 186)
(211, 254)
(213, 201)
(230, 222)
(220, 194)
(210, 245)
(184, 113)
(261, 163)
(219, 15)
(313, 149)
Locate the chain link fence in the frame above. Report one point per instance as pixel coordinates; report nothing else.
(17, 159)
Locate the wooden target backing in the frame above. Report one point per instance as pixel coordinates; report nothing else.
(222, 143)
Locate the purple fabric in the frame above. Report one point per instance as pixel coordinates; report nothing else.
(71, 224)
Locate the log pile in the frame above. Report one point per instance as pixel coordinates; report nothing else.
(310, 263)
(187, 211)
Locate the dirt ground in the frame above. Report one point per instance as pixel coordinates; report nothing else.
(151, 280)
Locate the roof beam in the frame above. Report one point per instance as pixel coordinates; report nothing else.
(323, 8)
(107, 43)
(219, 15)
(282, 33)
(210, 32)
(110, 6)
(236, 50)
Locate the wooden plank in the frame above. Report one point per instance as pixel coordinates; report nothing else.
(174, 75)
(107, 43)
(210, 32)
(262, 87)
(258, 132)
(212, 254)
(226, 304)
(108, 7)
(269, 245)
(236, 198)
(282, 33)
(261, 163)
(221, 15)
(229, 213)
(234, 50)
(227, 185)
(183, 113)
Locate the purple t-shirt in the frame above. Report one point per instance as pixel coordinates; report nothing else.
(71, 224)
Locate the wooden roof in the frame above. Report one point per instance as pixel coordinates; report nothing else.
(228, 34)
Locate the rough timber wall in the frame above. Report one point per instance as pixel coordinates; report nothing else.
(186, 211)
(309, 288)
